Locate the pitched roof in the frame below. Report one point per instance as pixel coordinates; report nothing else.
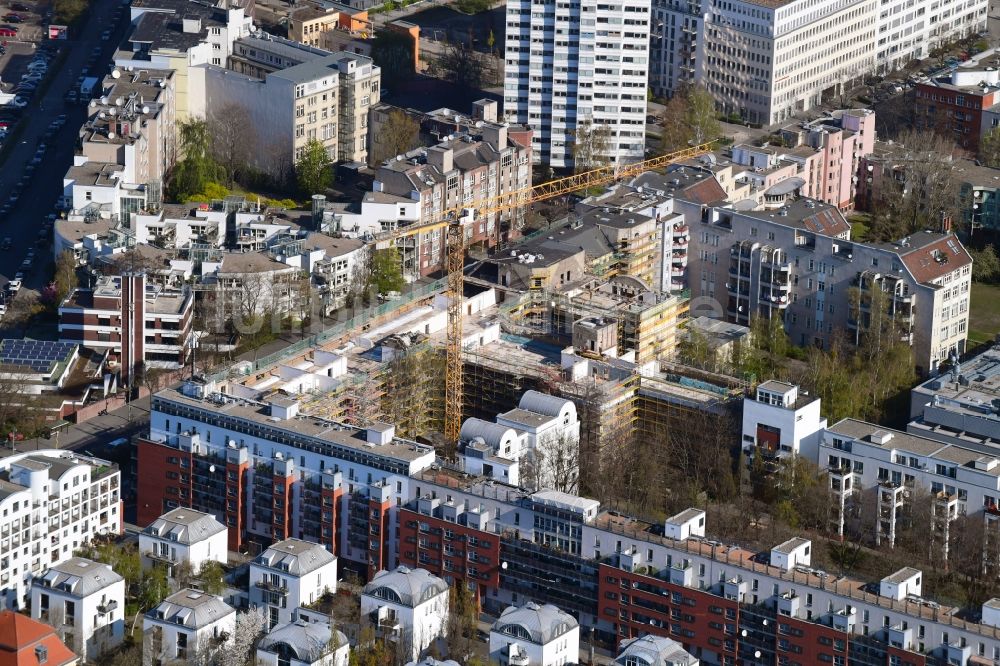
(538, 624)
(191, 608)
(406, 587)
(934, 259)
(295, 556)
(185, 526)
(80, 577)
(20, 635)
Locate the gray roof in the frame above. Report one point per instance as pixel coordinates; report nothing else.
(531, 622)
(542, 403)
(308, 641)
(320, 67)
(191, 608)
(80, 577)
(295, 556)
(407, 587)
(431, 661)
(787, 547)
(654, 651)
(491, 433)
(185, 526)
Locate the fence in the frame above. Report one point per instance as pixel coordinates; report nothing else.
(336, 331)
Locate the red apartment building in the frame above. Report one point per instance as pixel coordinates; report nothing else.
(953, 105)
(139, 324)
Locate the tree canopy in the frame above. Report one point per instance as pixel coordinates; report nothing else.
(313, 168)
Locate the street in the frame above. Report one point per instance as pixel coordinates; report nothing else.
(41, 192)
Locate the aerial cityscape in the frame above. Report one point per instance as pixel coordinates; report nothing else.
(472, 332)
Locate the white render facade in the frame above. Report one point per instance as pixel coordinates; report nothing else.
(908, 31)
(85, 602)
(764, 61)
(534, 635)
(183, 624)
(407, 606)
(184, 536)
(783, 421)
(53, 504)
(574, 66)
(289, 574)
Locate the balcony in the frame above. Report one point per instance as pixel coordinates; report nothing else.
(279, 588)
(160, 557)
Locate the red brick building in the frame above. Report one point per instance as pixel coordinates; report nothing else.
(453, 543)
(953, 105)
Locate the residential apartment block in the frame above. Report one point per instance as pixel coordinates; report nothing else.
(534, 634)
(184, 537)
(85, 601)
(465, 527)
(415, 189)
(289, 574)
(571, 69)
(325, 98)
(139, 324)
(798, 263)
(408, 607)
(185, 624)
(54, 502)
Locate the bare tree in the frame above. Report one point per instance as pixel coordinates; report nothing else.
(592, 146)
(233, 139)
(398, 134)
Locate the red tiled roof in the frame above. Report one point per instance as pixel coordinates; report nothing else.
(705, 192)
(827, 221)
(20, 635)
(933, 260)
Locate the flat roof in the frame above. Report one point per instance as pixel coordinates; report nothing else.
(792, 544)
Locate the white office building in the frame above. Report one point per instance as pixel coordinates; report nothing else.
(85, 602)
(408, 607)
(910, 31)
(534, 635)
(184, 625)
(573, 67)
(184, 536)
(289, 574)
(52, 503)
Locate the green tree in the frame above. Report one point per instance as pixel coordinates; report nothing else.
(65, 276)
(196, 168)
(212, 577)
(313, 168)
(397, 135)
(701, 115)
(591, 146)
(989, 151)
(386, 271)
(985, 264)
(393, 53)
(154, 588)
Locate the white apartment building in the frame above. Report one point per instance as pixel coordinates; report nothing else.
(302, 643)
(409, 607)
(178, 226)
(326, 99)
(782, 421)
(184, 625)
(52, 502)
(574, 67)
(898, 467)
(764, 61)
(184, 536)
(85, 602)
(910, 31)
(541, 435)
(289, 574)
(534, 635)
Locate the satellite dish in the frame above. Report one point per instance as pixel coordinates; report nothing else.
(211, 469)
(115, 74)
(104, 100)
(119, 101)
(111, 135)
(112, 111)
(100, 115)
(145, 109)
(163, 83)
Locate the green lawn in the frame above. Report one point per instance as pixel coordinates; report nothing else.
(984, 314)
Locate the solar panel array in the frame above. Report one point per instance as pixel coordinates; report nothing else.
(39, 355)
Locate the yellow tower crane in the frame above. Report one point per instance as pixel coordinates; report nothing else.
(454, 220)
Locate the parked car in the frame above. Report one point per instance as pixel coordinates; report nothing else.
(20, 7)
(6, 243)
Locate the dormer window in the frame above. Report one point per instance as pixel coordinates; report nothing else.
(41, 654)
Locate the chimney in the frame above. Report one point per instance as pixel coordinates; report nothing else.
(495, 135)
(441, 158)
